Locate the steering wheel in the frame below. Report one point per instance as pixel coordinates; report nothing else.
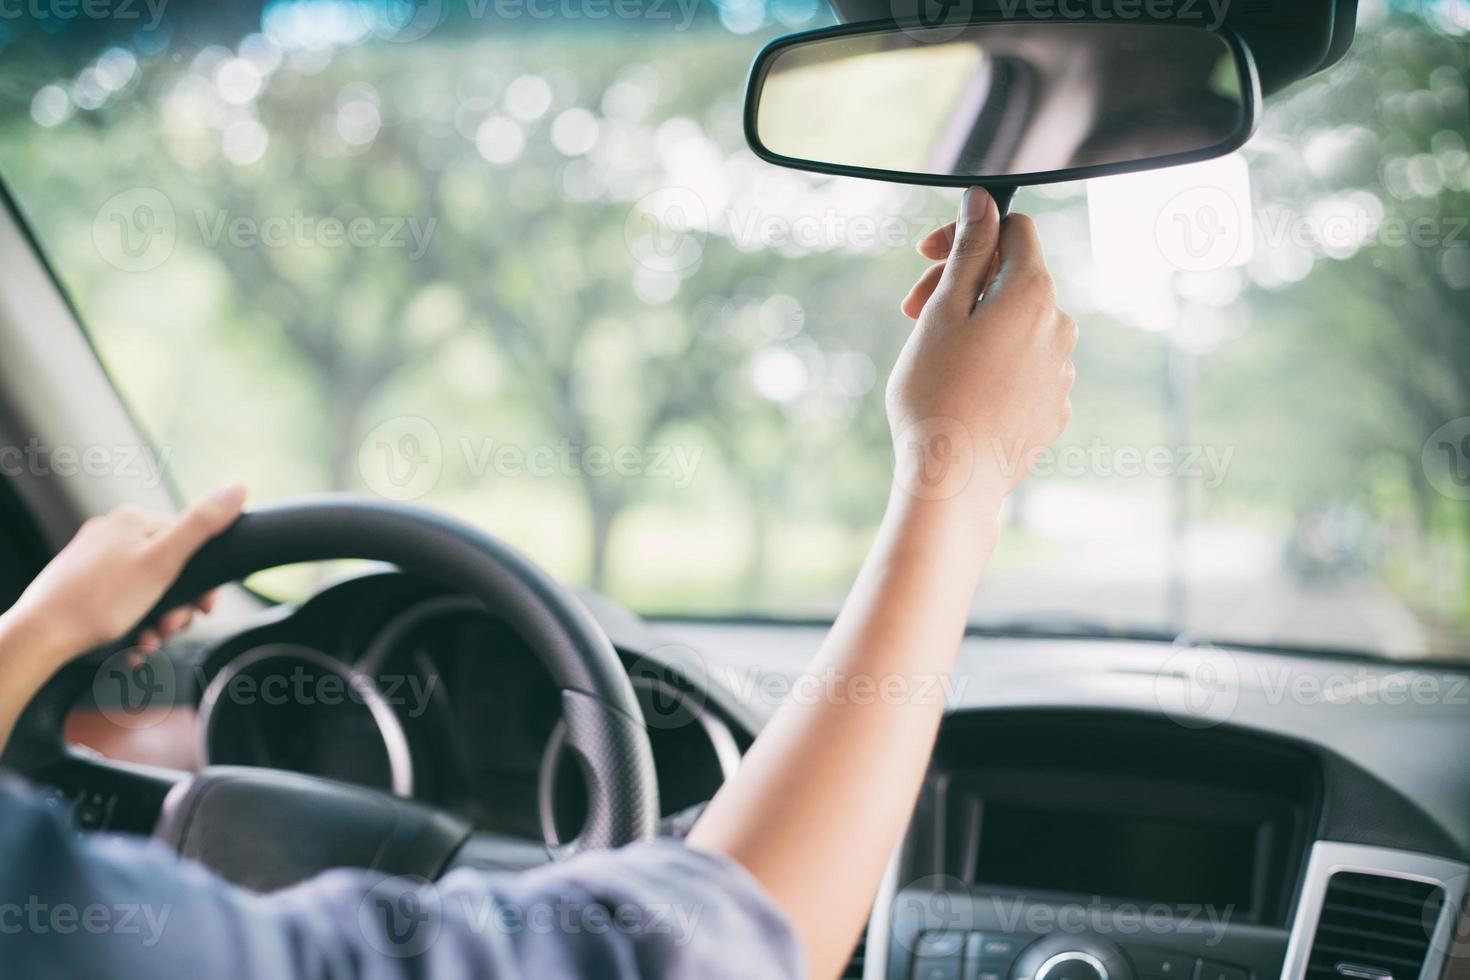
(265, 827)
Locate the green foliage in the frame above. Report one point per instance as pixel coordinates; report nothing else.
(524, 315)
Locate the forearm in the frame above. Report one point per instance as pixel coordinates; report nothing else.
(827, 789)
(27, 661)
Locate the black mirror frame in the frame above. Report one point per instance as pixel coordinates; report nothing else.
(1246, 65)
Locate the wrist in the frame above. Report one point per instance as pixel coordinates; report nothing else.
(965, 516)
(30, 639)
(941, 459)
(956, 533)
(973, 497)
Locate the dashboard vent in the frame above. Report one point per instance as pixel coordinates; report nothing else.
(1374, 928)
(854, 968)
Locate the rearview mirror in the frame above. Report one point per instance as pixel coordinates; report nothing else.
(1002, 104)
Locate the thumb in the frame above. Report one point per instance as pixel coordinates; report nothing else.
(188, 532)
(976, 234)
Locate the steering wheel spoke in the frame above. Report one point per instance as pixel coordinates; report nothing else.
(106, 795)
(267, 829)
(486, 850)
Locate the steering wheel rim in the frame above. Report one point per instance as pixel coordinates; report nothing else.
(598, 701)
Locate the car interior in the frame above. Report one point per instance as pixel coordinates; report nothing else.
(1231, 695)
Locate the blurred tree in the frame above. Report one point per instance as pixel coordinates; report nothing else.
(1364, 192)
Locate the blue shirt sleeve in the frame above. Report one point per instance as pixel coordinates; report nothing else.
(106, 907)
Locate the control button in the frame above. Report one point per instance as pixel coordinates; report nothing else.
(989, 955)
(1210, 970)
(937, 956)
(940, 944)
(937, 968)
(1072, 965)
(972, 961)
(1158, 964)
(994, 947)
(94, 811)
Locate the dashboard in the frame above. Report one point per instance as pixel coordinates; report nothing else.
(1085, 816)
(1112, 810)
(386, 682)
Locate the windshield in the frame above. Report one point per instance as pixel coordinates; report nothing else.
(518, 264)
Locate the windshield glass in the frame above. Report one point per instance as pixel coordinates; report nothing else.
(515, 261)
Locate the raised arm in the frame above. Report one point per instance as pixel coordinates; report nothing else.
(824, 794)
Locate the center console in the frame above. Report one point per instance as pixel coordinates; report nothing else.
(1101, 846)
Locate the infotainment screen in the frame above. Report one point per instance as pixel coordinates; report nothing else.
(1170, 860)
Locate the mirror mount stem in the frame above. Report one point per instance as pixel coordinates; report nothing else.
(1002, 197)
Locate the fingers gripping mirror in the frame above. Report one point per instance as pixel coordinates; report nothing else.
(1000, 104)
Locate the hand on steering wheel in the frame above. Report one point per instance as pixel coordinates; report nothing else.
(267, 828)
